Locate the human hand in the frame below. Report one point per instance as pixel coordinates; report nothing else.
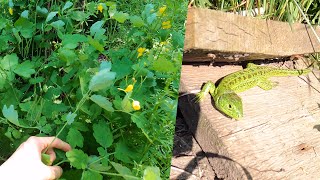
(25, 162)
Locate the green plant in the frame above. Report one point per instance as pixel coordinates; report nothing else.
(96, 75)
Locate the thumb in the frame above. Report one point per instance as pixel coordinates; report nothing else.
(54, 172)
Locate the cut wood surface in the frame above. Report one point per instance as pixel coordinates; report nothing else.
(218, 36)
(278, 138)
(188, 160)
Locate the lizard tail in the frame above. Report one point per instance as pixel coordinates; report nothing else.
(288, 72)
(209, 87)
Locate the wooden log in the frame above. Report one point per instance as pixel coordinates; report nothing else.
(278, 138)
(218, 36)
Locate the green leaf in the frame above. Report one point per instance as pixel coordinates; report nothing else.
(89, 175)
(137, 21)
(25, 27)
(10, 114)
(140, 120)
(42, 11)
(51, 15)
(103, 134)
(3, 23)
(36, 80)
(105, 65)
(96, 28)
(121, 17)
(16, 34)
(70, 117)
(126, 103)
(67, 55)
(151, 18)
(99, 163)
(122, 67)
(75, 138)
(79, 16)
(70, 41)
(122, 152)
(67, 5)
(123, 171)
(102, 80)
(148, 13)
(25, 69)
(163, 64)
(25, 14)
(9, 62)
(151, 173)
(16, 134)
(77, 158)
(96, 44)
(57, 24)
(102, 102)
(177, 40)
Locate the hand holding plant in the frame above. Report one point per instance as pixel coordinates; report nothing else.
(26, 161)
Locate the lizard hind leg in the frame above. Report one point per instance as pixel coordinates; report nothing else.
(251, 65)
(209, 87)
(267, 84)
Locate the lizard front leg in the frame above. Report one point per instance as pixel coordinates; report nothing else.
(209, 87)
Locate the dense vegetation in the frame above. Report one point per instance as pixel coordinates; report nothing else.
(101, 75)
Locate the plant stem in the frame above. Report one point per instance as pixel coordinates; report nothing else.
(114, 174)
(66, 123)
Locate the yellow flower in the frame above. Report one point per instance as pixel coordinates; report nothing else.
(166, 25)
(140, 51)
(11, 11)
(129, 88)
(136, 105)
(162, 9)
(163, 43)
(100, 8)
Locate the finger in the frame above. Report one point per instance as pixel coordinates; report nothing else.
(59, 144)
(54, 172)
(43, 142)
(52, 155)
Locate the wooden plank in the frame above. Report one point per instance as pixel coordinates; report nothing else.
(218, 36)
(278, 138)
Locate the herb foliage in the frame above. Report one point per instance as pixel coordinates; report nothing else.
(101, 75)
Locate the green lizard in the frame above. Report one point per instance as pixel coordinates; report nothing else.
(224, 95)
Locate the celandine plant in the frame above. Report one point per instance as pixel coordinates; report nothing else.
(101, 75)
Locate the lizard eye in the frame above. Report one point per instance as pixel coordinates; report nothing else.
(230, 106)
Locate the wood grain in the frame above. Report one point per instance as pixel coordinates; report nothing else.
(218, 36)
(278, 138)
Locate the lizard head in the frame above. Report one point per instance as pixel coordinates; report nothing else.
(230, 104)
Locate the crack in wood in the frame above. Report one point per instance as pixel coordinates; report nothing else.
(247, 129)
(217, 40)
(268, 170)
(242, 29)
(270, 40)
(223, 30)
